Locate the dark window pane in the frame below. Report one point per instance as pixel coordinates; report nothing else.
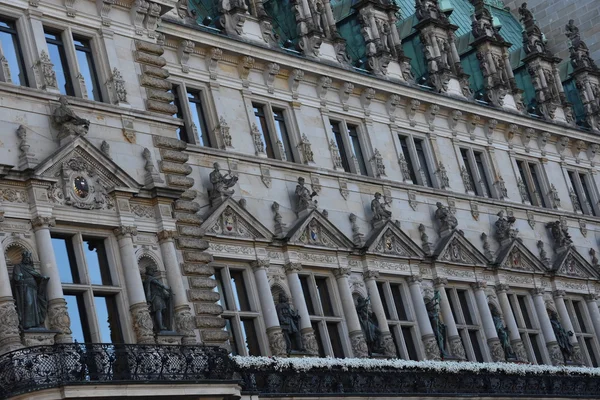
(520, 166)
(537, 184)
(453, 309)
(220, 288)
(482, 174)
(590, 348)
(79, 324)
(324, 297)
(464, 306)
(524, 311)
(11, 49)
(410, 343)
(282, 134)
(465, 157)
(307, 296)
(229, 329)
(198, 117)
(475, 345)
(577, 306)
(400, 309)
(383, 300)
(238, 286)
(408, 158)
(108, 319)
(335, 128)
(65, 259)
(250, 337)
(182, 133)
(261, 123)
(56, 51)
(536, 348)
(336, 341)
(83, 50)
(586, 194)
(97, 263)
(357, 149)
(423, 162)
(315, 326)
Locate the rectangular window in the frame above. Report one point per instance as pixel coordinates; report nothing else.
(307, 295)
(525, 181)
(11, 50)
(590, 350)
(316, 328)
(324, 297)
(282, 134)
(583, 330)
(483, 177)
(337, 133)
(463, 309)
(408, 158)
(77, 313)
(587, 194)
(348, 140)
(528, 328)
(182, 133)
(476, 170)
(194, 98)
(108, 319)
(249, 336)
(423, 163)
(530, 176)
(97, 264)
(238, 286)
(465, 156)
(334, 338)
(65, 259)
(261, 123)
(357, 149)
(85, 60)
(537, 184)
(58, 56)
(401, 324)
(583, 197)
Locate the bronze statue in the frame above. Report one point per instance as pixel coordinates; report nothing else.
(289, 322)
(368, 324)
(502, 334)
(562, 336)
(160, 300)
(30, 293)
(439, 328)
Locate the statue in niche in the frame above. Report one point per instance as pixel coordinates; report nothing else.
(562, 336)
(222, 183)
(368, 324)
(447, 220)
(160, 300)
(30, 293)
(504, 227)
(69, 123)
(378, 209)
(439, 328)
(305, 197)
(384, 33)
(503, 335)
(289, 321)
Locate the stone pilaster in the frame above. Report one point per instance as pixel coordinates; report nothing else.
(309, 340)
(455, 343)
(489, 328)
(551, 344)
(432, 351)
(511, 324)
(357, 338)
(377, 307)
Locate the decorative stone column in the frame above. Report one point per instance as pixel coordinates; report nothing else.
(496, 350)
(142, 321)
(377, 307)
(454, 340)
(551, 344)
(357, 338)
(591, 300)
(269, 312)
(9, 319)
(565, 320)
(432, 351)
(309, 339)
(184, 320)
(58, 316)
(511, 324)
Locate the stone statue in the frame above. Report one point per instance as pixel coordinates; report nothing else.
(562, 336)
(439, 328)
(572, 32)
(30, 293)
(447, 220)
(305, 197)
(504, 229)
(378, 209)
(368, 324)
(502, 334)
(68, 122)
(560, 234)
(289, 322)
(222, 183)
(160, 300)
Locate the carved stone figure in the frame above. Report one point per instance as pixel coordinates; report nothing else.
(289, 322)
(378, 209)
(504, 227)
(30, 293)
(502, 334)
(446, 218)
(68, 122)
(562, 336)
(222, 183)
(439, 328)
(160, 300)
(368, 324)
(560, 233)
(305, 197)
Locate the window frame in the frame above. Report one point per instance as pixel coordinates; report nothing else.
(92, 60)
(181, 89)
(343, 122)
(21, 55)
(526, 333)
(421, 172)
(279, 150)
(464, 328)
(482, 185)
(579, 333)
(589, 207)
(535, 198)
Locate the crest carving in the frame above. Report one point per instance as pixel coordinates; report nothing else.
(230, 223)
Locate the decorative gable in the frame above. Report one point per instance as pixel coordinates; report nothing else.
(456, 249)
(316, 230)
(516, 256)
(83, 176)
(228, 219)
(391, 240)
(572, 264)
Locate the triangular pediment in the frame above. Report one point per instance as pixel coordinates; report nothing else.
(390, 240)
(516, 256)
(571, 264)
(229, 219)
(316, 230)
(455, 248)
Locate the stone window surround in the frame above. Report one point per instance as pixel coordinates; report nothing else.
(429, 156)
(88, 290)
(5, 72)
(66, 33)
(463, 327)
(395, 323)
(236, 315)
(319, 317)
(291, 123)
(208, 107)
(542, 178)
(23, 26)
(526, 332)
(363, 137)
(592, 188)
(577, 331)
(488, 167)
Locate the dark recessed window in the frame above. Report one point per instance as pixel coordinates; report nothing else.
(11, 49)
(87, 68)
(198, 117)
(58, 56)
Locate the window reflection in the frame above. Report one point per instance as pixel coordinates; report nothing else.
(11, 50)
(83, 50)
(56, 51)
(65, 259)
(79, 325)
